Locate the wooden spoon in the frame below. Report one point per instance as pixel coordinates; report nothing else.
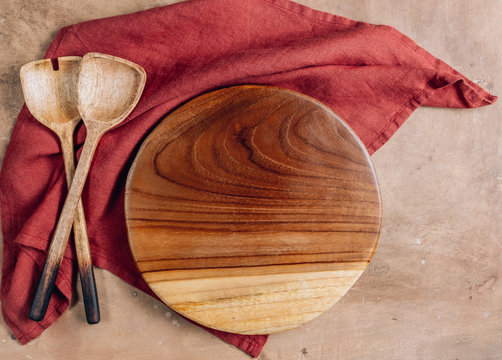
(108, 89)
(50, 93)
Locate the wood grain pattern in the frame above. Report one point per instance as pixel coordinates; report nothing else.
(108, 89)
(252, 209)
(50, 92)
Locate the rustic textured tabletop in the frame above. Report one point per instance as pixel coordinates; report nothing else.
(433, 289)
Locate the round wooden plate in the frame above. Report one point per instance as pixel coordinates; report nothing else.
(252, 209)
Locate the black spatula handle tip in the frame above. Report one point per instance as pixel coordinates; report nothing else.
(90, 294)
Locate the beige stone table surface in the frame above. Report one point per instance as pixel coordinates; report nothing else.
(434, 287)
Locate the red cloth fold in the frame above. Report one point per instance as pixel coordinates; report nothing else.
(372, 76)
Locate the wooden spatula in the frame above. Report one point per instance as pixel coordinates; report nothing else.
(50, 93)
(108, 90)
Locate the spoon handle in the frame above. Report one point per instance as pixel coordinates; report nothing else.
(63, 228)
(82, 248)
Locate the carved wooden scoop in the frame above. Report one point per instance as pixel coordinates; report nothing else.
(50, 94)
(108, 89)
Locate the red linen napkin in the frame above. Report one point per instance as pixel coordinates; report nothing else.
(372, 76)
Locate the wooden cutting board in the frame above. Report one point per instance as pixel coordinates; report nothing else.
(252, 209)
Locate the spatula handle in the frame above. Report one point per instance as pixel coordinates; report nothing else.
(84, 259)
(63, 228)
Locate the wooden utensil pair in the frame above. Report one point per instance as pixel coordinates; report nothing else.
(102, 90)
